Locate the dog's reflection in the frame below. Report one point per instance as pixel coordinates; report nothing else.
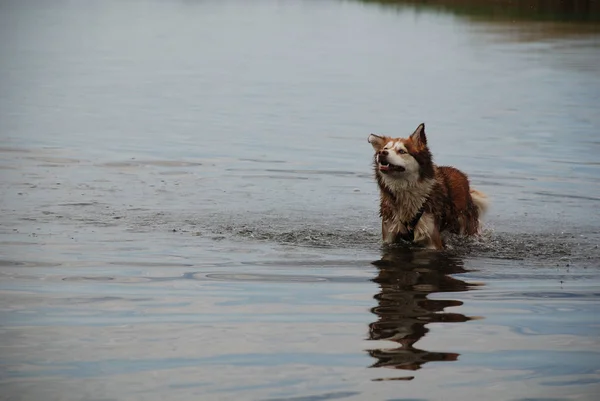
(405, 278)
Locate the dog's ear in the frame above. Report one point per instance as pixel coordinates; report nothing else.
(377, 142)
(418, 137)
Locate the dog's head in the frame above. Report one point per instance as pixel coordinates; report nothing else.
(403, 158)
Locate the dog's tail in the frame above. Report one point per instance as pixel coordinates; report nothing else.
(481, 201)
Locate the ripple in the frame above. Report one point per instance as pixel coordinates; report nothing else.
(567, 196)
(275, 177)
(149, 264)
(267, 278)
(55, 160)
(5, 149)
(108, 279)
(307, 263)
(314, 172)
(94, 300)
(174, 173)
(79, 204)
(536, 295)
(319, 397)
(266, 161)
(156, 163)
(19, 263)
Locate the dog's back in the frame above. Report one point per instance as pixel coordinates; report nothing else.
(459, 213)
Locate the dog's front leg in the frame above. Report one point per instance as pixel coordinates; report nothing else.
(389, 232)
(433, 240)
(427, 233)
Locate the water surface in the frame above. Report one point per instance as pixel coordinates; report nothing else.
(188, 210)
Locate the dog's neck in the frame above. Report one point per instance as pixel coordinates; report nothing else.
(407, 197)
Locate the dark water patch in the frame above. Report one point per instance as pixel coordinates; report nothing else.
(88, 279)
(488, 182)
(532, 295)
(314, 172)
(265, 278)
(5, 149)
(295, 263)
(79, 204)
(567, 196)
(174, 173)
(20, 263)
(51, 165)
(266, 161)
(274, 278)
(499, 178)
(388, 379)
(52, 161)
(318, 397)
(116, 279)
(95, 300)
(300, 172)
(540, 399)
(406, 399)
(154, 163)
(577, 382)
(184, 386)
(132, 263)
(276, 177)
(96, 222)
(14, 243)
(578, 162)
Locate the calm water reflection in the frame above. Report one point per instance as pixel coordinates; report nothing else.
(582, 11)
(405, 279)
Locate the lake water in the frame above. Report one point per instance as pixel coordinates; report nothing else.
(188, 210)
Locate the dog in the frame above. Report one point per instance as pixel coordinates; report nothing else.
(420, 201)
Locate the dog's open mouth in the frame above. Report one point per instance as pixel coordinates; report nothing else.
(385, 166)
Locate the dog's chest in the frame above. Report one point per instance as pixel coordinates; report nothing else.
(402, 202)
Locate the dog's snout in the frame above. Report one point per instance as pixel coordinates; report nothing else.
(382, 156)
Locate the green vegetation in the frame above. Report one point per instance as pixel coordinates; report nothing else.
(585, 11)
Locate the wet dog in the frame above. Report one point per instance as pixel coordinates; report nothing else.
(419, 200)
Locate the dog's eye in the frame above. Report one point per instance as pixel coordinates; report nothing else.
(401, 151)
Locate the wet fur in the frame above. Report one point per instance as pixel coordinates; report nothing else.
(449, 204)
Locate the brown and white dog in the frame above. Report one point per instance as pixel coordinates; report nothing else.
(419, 200)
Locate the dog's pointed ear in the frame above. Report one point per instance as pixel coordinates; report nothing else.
(377, 142)
(418, 137)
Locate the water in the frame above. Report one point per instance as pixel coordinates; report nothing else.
(188, 209)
